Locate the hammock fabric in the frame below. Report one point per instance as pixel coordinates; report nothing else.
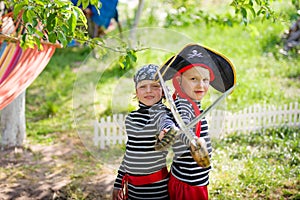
(19, 67)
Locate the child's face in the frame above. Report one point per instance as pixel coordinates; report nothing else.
(148, 92)
(195, 82)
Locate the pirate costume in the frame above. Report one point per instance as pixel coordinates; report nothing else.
(187, 179)
(143, 169)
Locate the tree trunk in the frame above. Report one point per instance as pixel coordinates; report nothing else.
(136, 20)
(12, 123)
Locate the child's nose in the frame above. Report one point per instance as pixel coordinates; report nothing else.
(148, 88)
(201, 83)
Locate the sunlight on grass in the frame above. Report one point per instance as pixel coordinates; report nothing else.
(256, 165)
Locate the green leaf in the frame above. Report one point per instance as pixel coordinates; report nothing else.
(23, 40)
(62, 38)
(62, 3)
(30, 41)
(51, 22)
(81, 16)
(258, 2)
(85, 3)
(34, 22)
(244, 12)
(39, 33)
(30, 15)
(39, 2)
(78, 3)
(95, 3)
(24, 16)
(250, 3)
(30, 29)
(122, 62)
(234, 4)
(65, 28)
(259, 12)
(72, 23)
(132, 56)
(52, 37)
(38, 43)
(249, 7)
(18, 7)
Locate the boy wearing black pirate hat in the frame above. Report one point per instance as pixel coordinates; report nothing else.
(192, 70)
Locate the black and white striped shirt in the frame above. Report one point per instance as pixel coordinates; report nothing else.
(184, 168)
(140, 156)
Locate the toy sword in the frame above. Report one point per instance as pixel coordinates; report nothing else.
(207, 110)
(198, 148)
(183, 128)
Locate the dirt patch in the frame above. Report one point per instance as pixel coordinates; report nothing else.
(59, 171)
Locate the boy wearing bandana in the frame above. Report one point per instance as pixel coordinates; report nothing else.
(192, 70)
(143, 173)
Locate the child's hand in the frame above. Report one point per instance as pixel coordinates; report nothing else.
(200, 153)
(162, 133)
(117, 194)
(166, 138)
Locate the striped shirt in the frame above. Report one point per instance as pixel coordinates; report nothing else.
(140, 157)
(184, 168)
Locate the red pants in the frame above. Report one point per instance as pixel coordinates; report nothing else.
(179, 190)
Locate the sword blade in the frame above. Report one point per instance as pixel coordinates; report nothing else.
(207, 110)
(183, 128)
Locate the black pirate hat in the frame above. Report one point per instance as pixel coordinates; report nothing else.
(221, 69)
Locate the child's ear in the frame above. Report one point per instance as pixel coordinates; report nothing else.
(178, 78)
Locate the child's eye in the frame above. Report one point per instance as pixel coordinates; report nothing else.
(156, 86)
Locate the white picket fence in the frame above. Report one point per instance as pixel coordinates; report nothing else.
(110, 130)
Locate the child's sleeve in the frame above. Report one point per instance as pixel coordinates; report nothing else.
(186, 117)
(121, 172)
(166, 120)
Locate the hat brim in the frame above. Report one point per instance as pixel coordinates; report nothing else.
(220, 65)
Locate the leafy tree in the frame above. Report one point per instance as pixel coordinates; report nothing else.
(56, 20)
(186, 12)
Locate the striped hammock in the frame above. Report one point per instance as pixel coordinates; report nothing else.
(19, 67)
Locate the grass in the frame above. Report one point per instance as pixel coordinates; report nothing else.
(260, 165)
